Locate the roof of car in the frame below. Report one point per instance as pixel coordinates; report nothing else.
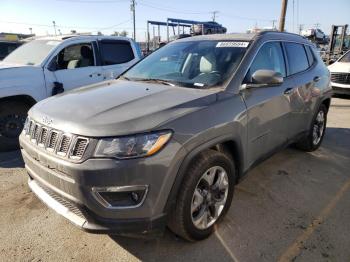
(248, 36)
(65, 37)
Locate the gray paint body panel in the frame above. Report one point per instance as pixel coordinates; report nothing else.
(258, 120)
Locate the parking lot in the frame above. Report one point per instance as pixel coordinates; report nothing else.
(292, 207)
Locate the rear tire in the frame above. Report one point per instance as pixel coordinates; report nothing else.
(316, 132)
(12, 117)
(200, 204)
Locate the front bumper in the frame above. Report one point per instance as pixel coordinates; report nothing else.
(67, 188)
(340, 89)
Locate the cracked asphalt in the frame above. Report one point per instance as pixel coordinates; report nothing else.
(295, 206)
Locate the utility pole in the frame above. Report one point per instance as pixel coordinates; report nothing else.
(54, 26)
(273, 23)
(283, 15)
(31, 30)
(301, 26)
(132, 8)
(214, 15)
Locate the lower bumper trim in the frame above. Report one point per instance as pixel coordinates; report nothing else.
(55, 205)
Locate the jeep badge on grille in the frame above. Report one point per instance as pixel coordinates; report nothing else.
(46, 120)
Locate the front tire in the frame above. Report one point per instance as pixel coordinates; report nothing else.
(317, 131)
(205, 196)
(12, 117)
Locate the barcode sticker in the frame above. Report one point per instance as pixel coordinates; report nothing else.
(232, 44)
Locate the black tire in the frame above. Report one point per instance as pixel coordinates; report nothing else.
(180, 219)
(12, 118)
(307, 143)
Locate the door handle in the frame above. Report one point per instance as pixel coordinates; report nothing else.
(316, 78)
(288, 91)
(98, 74)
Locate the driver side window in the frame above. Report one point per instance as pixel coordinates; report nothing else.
(75, 56)
(269, 57)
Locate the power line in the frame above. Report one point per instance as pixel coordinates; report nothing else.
(169, 9)
(93, 1)
(65, 26)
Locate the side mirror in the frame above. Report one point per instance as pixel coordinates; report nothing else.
(267, 78)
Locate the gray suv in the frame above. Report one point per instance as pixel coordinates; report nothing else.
(165, 144)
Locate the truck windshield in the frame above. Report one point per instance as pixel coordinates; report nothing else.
(32, 53)
(197, 64)
(345, 58)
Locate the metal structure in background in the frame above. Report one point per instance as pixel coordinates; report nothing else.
(159, 24)
(339, 42)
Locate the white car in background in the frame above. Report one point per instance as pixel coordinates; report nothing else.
(340, 75)
(314, 33)
(50, 65)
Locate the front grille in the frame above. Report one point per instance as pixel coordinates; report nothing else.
(43, 137)
(64, 145)
(56, 141)
(340, 78)
(52, 141)
(79, 148)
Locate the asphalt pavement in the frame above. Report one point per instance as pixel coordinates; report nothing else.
(295, 206)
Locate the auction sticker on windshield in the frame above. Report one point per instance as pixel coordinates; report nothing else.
(232, 44)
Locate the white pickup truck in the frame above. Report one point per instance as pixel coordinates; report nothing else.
(52, 65)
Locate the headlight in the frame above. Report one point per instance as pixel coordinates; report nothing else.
(132, 146)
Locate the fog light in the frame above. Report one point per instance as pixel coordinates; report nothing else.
(120, 197)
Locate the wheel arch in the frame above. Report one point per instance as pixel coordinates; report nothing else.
(327, 103)
(228, 145)
(25, 99)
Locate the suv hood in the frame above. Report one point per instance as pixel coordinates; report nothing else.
(119, 107)
(339, 67)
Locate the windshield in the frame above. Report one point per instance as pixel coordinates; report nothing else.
(32, 53)
(345, 58)
(197, 64)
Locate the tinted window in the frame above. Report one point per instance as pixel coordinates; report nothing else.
(116, 52)
(310, 55)
(269, 57)
(297, 59)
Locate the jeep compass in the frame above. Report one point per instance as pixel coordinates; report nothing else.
(166, 142)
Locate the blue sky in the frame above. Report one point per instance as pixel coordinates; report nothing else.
(114, 15)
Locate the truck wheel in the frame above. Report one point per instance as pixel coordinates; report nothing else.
(205, 196)
(316, 133)
(12, 118)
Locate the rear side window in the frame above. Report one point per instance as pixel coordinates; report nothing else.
(297, 58)
(310, 55)
(269, 57)
(116, 52)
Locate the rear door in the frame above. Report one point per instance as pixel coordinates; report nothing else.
(268, 108)
(301, 63)
(116, 57)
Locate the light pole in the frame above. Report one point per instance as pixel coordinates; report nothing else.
(54, 26)
(132, 7)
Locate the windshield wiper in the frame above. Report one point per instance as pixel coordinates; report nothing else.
(160, 81)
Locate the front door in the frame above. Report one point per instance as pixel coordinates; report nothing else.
(75, 66)
(268, 108)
